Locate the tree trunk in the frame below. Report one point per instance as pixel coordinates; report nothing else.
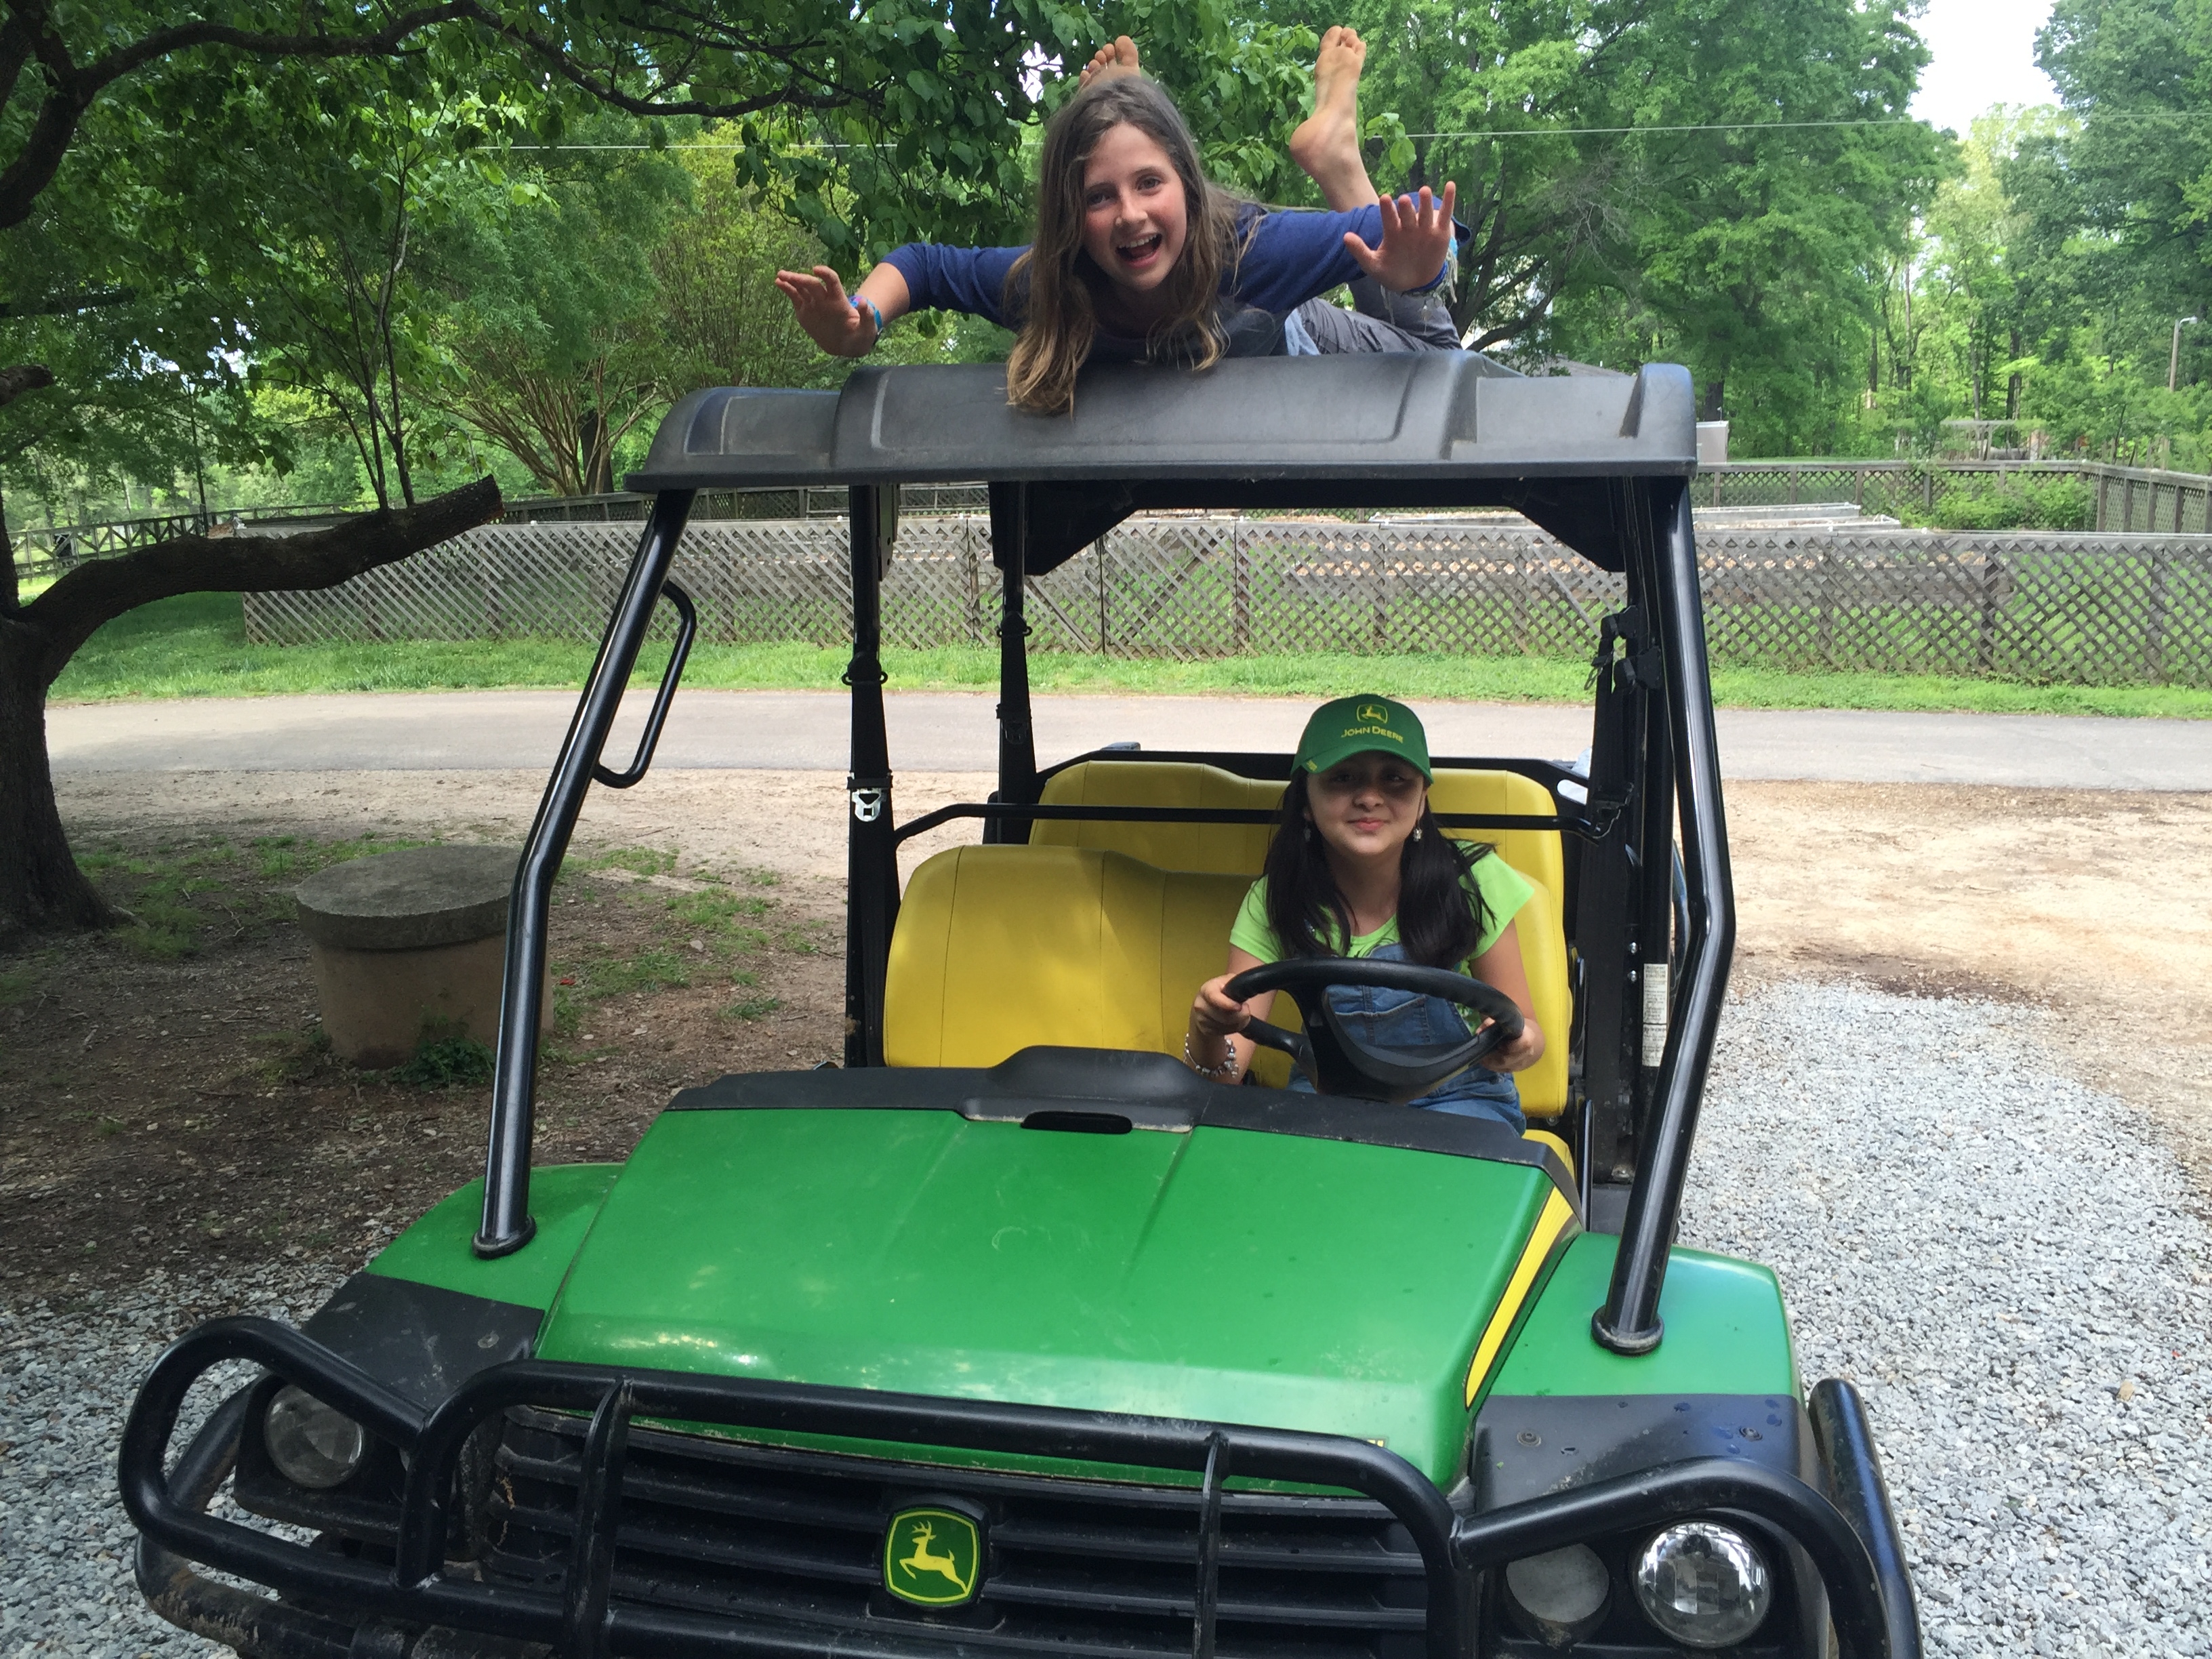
(40, 886)
(45, 888)
(597, 469)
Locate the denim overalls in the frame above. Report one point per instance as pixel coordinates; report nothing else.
(1391, 1020)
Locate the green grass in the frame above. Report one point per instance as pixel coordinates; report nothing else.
(445, 1062)
(638, 861)
(655, 970)
(1765, 688)
(700, 935)
(195, 646)
(178, 898)
(293, 1056)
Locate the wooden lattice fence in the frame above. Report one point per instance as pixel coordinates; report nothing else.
(2078, 608)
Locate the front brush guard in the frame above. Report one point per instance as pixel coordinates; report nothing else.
(1854, 1547)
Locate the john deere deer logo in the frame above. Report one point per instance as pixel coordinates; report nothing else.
(931, 1556)
(1375, 712)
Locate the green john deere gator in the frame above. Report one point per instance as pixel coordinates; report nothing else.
(1012, 1336)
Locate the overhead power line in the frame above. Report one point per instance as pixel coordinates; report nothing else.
(1524, 132)
(1760, 126)
(1712, 126)
(1507, 132)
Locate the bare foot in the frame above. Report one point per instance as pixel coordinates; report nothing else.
(1110, 61)
(1327, 143)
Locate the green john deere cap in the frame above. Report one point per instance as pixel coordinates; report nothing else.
(1354, 726)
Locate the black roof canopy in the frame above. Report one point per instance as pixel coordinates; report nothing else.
(1427, 429)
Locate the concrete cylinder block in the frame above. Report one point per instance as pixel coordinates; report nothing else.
(408, 944)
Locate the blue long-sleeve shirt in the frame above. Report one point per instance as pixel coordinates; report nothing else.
(1291, 259)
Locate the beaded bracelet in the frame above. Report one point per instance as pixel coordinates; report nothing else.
(1225, 1072)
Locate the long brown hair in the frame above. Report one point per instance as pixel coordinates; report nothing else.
(1441, 915)
(1052, 287)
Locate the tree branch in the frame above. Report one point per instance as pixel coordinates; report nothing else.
(63, 305)
(73, 86)
(39, 159)
(100, 590)
(21, 378)
(14, 52)
(602, 87)
(384, 43)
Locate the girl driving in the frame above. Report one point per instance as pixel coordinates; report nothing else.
(1358, 868)
(1137, 255)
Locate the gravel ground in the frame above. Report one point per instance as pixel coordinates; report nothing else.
(67, 1374)
(2025, 1310)
(2014, 1274)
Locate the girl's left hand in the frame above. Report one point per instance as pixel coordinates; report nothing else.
(1416, 236)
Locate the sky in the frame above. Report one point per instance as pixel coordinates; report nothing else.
(1984, 54)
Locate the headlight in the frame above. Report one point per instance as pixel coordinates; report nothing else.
(1703, 1584)
(312, 1444)
(1560, 1595)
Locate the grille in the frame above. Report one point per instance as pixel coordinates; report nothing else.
(1077, 1567)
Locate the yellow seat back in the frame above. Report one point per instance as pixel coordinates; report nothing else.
(1534, 853)
(1544, 958)
(1224, 848)
(1241, 848)
(999, 948)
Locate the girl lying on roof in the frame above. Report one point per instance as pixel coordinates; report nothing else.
(1358, 868)
(1326, 146)
(1136, 256)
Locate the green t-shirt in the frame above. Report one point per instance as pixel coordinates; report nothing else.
(1504, 888)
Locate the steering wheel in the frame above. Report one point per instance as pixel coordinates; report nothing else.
(1337, 1061)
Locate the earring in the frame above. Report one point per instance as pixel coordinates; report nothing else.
(1417, 832)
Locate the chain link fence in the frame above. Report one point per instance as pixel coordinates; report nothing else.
(2079, 609)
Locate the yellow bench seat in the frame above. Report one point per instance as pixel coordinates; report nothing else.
(1000, 948)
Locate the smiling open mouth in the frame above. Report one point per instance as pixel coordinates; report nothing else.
(1139, 252)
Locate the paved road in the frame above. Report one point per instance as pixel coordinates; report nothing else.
(952, 731)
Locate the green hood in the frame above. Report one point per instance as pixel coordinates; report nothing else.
(1223, 1274)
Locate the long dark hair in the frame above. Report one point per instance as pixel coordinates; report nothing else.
(1440, 921)
(1050, 287)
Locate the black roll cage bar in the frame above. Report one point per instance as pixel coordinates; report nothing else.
(1655, 760)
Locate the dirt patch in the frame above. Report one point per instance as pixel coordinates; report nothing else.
(166, 1099)
(2095, 905)
(1898, 975)
(792, 823)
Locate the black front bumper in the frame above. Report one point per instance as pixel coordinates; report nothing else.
(420, 1605)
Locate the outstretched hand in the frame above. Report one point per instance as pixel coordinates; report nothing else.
(1416, 236)
(828, 314)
